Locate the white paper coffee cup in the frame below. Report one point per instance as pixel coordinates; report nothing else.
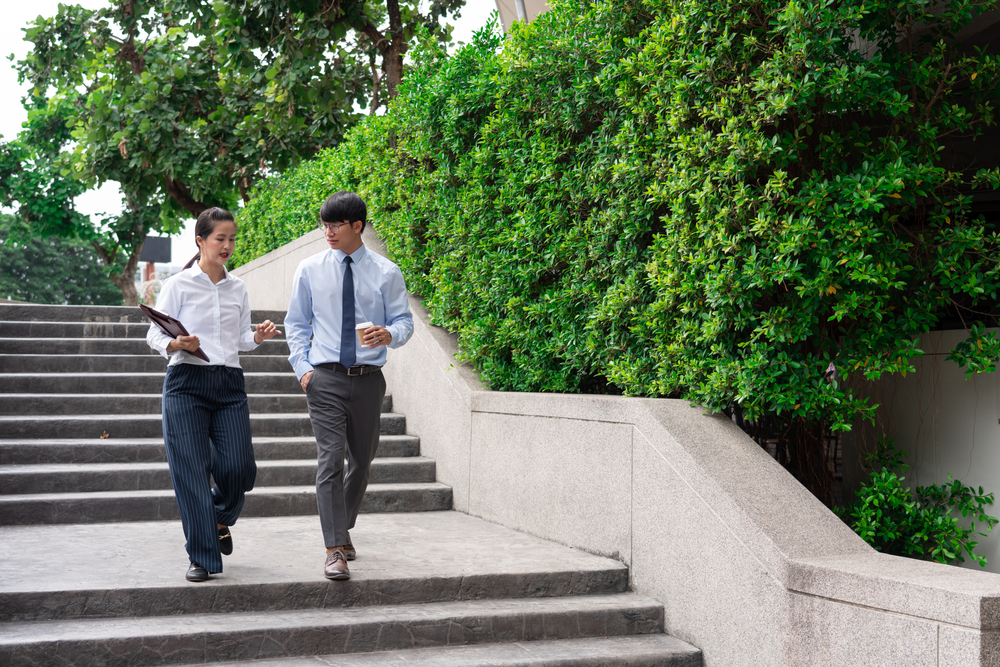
(361, 332)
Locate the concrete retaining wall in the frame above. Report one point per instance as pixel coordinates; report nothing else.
(751, 568)
(269, 278)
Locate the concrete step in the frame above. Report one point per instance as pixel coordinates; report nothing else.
(28, 312)
(136, 450)
(76, 329)
(73, 329)
(129, 570)
(98, 477)
(114, 363)
(198, 638)
(130, 383)
(88, 404)
(149, 425)
(118, 346)
(654, 650)
(157, 505)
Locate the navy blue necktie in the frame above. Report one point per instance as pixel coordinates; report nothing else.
(348, 345)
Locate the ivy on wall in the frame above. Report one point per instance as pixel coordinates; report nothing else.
(752, 205)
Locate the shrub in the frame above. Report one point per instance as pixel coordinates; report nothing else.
(895, 521)
(746, 204)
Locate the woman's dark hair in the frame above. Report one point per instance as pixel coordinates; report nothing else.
(344, 207)
(207, 222)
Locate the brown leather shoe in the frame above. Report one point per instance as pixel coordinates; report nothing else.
(336, 566)
(349, 551)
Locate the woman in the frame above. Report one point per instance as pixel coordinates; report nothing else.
(206, 422)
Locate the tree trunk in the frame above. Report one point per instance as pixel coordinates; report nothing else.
(390, 46)
(375, 101)
(130, 297)
(392, 63)
(392, 59)
(125, 281)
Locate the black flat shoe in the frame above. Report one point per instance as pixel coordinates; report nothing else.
(196, 573)
(225, 541)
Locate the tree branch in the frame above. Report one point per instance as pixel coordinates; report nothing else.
(378, 39)
(182, 196)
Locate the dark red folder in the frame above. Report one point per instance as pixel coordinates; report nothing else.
(170, 326)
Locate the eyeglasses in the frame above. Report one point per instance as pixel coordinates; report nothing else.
(333, 226)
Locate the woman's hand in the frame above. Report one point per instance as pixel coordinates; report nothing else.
(265, 331)
(188, 343)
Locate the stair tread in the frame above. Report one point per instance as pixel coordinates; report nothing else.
(264, 439)
(240, 622)
(70, 395)
(103, 355)
(120, 374)
(123, 442)
(40, 312)
(35, 468)
(135, 569)
(260, 490)
(157, 416)
(628, 650)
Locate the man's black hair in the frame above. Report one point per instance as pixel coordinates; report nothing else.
(344, 207)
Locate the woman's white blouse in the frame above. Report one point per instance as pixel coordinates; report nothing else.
(219, 315)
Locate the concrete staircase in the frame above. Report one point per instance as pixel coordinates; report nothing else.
(92, 557)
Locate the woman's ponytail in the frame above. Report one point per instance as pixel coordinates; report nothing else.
(194, 260)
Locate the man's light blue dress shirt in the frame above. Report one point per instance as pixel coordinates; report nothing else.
(315, 307)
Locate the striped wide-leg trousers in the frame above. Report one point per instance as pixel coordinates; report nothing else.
(206, 428)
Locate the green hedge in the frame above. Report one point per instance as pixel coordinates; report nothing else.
(715, 199)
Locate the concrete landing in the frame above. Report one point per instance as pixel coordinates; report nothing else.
(137, 568)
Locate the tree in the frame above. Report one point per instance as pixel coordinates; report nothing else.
(185, 104)
(263, 30)
(51, 270)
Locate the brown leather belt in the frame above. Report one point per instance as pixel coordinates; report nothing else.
(353, 371)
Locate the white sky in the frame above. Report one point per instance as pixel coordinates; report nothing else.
(108, 199)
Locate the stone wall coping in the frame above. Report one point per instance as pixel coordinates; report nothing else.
(924, 589)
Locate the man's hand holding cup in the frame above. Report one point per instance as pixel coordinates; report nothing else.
(371, 335)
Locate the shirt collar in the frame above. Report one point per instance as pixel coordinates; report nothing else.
(356, 256)
(196, 271)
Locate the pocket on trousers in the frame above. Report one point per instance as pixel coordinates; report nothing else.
(312, 382)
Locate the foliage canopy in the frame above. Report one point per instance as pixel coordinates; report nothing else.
(186, 104)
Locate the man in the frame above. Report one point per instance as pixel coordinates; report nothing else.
(332, 293)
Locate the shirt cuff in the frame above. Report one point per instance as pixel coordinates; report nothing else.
(159, 343)
(247, 341)
(396, 333)
(302, 368)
